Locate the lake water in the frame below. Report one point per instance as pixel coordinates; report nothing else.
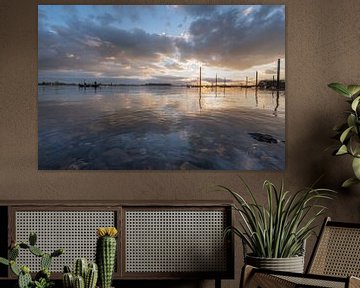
(164, 128)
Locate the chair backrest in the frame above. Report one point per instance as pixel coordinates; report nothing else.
(337, 251)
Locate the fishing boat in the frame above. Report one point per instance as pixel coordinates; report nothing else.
(85, 85)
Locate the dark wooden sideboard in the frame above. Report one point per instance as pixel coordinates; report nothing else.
(157, 240)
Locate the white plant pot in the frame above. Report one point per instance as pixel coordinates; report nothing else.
(291, 264)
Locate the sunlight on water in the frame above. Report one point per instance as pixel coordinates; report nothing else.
(139, 127)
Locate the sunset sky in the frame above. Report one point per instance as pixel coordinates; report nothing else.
(159, 43)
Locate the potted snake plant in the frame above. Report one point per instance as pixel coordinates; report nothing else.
(274, 234)
(349, 131)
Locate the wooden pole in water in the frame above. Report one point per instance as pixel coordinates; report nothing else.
(273, 83)
(256, 79)
(246, 81)
(200, 78)
(224, 85)
(278, 76)
(216, 85)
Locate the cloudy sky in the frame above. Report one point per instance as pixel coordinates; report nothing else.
(159, 43)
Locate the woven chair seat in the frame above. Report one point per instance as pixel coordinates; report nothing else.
(314, 282)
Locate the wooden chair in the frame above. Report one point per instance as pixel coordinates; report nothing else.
(335, 262)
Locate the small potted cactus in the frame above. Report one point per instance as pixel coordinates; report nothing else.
(106, 254)
(85, 275)
(42, 278)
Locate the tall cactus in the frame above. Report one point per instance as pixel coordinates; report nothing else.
(106, 254)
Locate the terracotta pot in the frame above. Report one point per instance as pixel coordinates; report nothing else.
(291, 264)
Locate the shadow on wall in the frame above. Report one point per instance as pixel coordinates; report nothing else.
(312, 157)
(317, 161)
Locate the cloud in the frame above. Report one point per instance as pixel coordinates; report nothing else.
(198, 10)
(174, 66)
(270, 72)
(42, 15)
(132, 12)
(101, 49)
(236, 40)
(106, 19)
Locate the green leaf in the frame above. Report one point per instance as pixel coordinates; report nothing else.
(353, 89)
(355, 103)
(351, 120)
(340, 88)
(356, 167)
(4, 261)
(340, 127)
(345, 134)
(342, 150)
(354, 145)
(14, 268)
(279, 228)
(349, 182)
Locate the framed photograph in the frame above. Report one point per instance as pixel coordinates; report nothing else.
(161, 87)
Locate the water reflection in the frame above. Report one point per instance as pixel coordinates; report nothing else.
(277, 102)
(256, 97)
(159, 128)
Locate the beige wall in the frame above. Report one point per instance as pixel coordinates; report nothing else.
(323, 46)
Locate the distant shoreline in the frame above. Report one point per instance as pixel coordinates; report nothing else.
(104, 84)
(264, 84)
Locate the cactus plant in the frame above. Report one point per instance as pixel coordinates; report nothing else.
(79, 282)
(57, 253)
(32, 239)
(24, 277)
(91, 276)
(36, 251)
(43, 274)
(42, 278)
(80, 268)
(13, 253)
(68, 280)
(84, 274)
(45, 261)
(106, 254)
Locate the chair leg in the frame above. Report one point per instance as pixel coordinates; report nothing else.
(354, 282)
(217, 283)
(246, 273)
